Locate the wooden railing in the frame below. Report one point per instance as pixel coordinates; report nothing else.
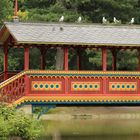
(36, 85)
(13, 88)
(9, 74)
(84, 83)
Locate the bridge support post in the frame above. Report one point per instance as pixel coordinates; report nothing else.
(26, 58)
(104, 67)
(5, 61)
(27, 109)
(41, 109)
(104, 59)
(66, 59)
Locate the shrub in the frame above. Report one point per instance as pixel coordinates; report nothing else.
(16, 123)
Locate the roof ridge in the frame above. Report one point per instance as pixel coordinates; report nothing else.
(75, 24)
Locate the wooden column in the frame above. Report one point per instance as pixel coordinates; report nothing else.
(43, 58)
(66, 59)
(104, 68)
(26, 58)
(138, 59)
(5, 65)
(114, 60)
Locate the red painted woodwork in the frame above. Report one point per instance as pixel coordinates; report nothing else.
(16, 8)
(9, 74)
(104, 68)
(67, 86)
(66, 59)
(49, 79)
(114, 60)
(120, 80)
(27, 85)
(5, 60)
(13, 91)
(26, 58)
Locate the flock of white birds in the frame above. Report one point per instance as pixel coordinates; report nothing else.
(104, 20)
(78, 20)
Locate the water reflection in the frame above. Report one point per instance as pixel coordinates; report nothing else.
(92, 124)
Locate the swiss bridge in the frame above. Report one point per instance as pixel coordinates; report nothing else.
(69, 87)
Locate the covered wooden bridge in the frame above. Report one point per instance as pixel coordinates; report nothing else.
(69, 86)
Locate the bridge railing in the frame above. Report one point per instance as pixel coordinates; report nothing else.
(9, 74)
(84, 83)
(44, 85)
(13, 88)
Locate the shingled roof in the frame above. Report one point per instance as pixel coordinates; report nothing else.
(40, 33)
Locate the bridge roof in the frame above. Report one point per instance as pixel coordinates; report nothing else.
(72, 34)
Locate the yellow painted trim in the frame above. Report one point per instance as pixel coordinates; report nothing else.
(76, 98)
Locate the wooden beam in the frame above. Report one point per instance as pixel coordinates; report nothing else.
(104, 68)
(26, 58)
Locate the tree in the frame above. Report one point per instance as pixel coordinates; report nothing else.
(6, 10)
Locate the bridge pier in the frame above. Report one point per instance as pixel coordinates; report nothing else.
(27, 109)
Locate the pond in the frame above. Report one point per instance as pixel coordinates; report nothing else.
(88, 123)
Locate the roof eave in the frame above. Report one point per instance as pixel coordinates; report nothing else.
(77, 44)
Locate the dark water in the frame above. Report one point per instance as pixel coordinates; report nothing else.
(92, 138)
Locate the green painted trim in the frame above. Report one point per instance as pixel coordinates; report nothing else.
(81, 103)
(78, 44)
(91, 75)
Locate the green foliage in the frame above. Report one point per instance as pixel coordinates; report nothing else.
(6, 10)
(16, 123)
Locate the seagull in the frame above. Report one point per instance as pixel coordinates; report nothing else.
(61, 19)
(79, 19)
(115, 20)
(132, 21)
(104, 20)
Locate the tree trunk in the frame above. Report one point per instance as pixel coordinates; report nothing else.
(59, 59)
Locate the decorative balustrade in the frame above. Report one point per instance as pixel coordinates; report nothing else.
(9, 74)
(84, 83)
(13, 88)
(71, 86)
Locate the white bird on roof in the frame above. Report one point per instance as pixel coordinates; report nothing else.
(104, 20)
(132, 21)
(61, 19)
(79, 19)
(116, 21)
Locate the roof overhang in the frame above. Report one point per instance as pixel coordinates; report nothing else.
(15, 29)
